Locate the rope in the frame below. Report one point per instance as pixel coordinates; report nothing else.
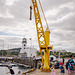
(43, 14)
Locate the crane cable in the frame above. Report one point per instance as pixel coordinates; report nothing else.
(43, 14)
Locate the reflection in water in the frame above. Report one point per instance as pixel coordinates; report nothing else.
(4, 70)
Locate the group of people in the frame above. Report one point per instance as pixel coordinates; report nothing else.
(70, 67)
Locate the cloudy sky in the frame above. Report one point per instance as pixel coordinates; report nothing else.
(15, 23)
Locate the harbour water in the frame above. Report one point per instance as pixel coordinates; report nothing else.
(4, 70)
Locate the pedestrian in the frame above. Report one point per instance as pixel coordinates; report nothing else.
(72, 68)
(25, 74)
(72, 62)
(62, 68)
(19, 73)
(63, 60)
(10, 71)
(69, 72)
(53, 70)
(69, 67)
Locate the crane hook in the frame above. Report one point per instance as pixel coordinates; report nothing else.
(30, 12)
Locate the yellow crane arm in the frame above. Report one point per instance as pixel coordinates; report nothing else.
(43, 37)
(39, 27)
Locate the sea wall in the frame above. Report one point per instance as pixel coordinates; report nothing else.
(25, 61)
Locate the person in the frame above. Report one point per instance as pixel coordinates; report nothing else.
(19, 73)
(62, 68)
(57, 65)
(10, 71)
(63, 60)
(69, 67)
(25, 74)
(53, 70)
(72, 62)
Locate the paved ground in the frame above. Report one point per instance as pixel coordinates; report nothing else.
(57, 71)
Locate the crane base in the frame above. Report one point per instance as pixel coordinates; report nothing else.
(46, 70)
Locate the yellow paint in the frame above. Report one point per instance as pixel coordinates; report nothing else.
(46, 52)
(43, 38)
(47, 36)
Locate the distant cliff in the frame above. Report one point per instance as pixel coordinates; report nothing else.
(10, 52)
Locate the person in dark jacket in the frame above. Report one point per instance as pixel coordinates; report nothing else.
(72, 62)
(10, 71)
(63, 60)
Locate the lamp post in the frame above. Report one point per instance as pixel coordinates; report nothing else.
(59, 55)
(30, 45)
(2, 52)
(2, 49)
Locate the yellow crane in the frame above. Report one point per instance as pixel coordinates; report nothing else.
(43, 37)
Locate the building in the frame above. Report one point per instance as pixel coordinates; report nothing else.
(27, 51)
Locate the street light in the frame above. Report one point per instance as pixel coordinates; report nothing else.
(30, 45)
(2, 49)
(2, 52)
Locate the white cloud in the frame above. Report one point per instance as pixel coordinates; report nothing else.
(10, 2)
(15, 24)
(6, 15)
(62, 18)
(52, 12)
(69, 5)
(58, 11)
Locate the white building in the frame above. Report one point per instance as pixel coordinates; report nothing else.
(27, 51)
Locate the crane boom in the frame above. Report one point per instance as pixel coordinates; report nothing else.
(42, 38)
(39, 27)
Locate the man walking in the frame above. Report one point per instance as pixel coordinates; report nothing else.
(10, 71)
(72, 62)
(63, 60)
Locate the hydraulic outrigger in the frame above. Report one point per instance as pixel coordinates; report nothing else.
(43, 37)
